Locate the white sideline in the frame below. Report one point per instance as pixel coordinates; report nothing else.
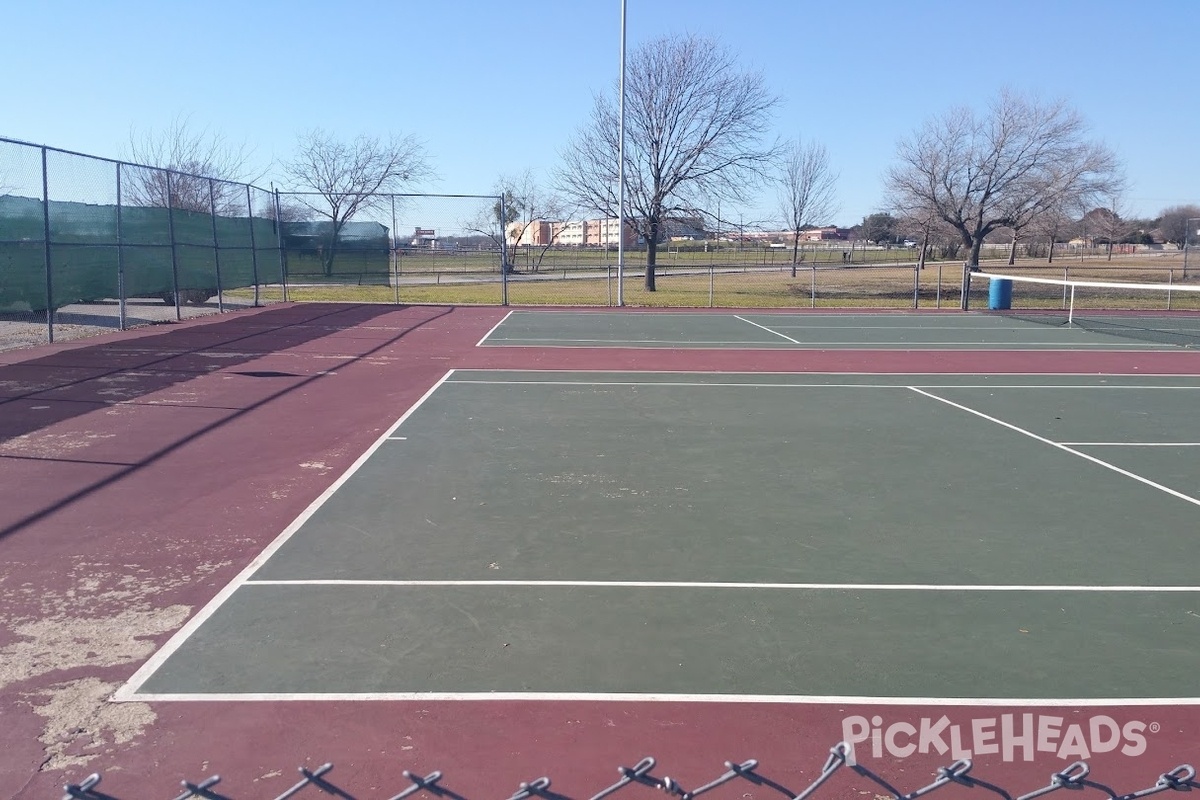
(493, 329)
(1063, 447)
(765, 328)
(867, 587)
(128, 690)
(632, 697)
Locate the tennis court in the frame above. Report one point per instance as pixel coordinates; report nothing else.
(828, 331)
(548, 535)
(506, 544)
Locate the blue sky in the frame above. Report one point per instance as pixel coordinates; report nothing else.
(495, 88)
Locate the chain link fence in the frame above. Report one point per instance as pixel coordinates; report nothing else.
(1074, 777)
(89, 244)
(396, 248)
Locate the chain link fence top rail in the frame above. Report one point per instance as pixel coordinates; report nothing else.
(1075, 776)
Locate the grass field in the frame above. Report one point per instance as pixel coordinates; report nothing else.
(745, 285)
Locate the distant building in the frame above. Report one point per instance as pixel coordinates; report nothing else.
(829, 233)
(536, 233)
(571, 233)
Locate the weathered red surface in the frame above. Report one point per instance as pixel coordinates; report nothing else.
(139, 473)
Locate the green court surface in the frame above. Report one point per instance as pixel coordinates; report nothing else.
(801, 330)
(735, 536)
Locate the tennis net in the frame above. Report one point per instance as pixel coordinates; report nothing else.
(1163, 313)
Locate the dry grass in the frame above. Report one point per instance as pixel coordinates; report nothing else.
(733, 286)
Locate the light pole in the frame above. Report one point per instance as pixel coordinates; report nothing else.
(621, 173)
(1187, 230)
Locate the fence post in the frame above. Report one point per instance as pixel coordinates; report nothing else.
(916, 285)
(812, 290)
(121, 311)
(46, 248)
(174, 257)
(395, 252)
(253, 244)
(711, 282)
(212, 209)
(279, 244)
(965, 301)
(503, 256)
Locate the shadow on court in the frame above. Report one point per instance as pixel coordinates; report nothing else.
(136, 372)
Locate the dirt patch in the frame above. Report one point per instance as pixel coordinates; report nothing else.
(80, 725)
(101, 616)
(44, 444)
(61, 643)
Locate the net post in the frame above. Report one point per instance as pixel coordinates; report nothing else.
(965, 301)
(1071, 311)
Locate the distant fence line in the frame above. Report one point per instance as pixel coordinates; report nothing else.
(89, 244)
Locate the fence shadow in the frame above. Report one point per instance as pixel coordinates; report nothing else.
(40, 392)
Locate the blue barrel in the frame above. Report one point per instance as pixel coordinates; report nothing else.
(1000, 295)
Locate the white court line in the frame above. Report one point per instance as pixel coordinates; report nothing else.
(155, 661)
(1063, 447)
(631, 341)
(742, 384)
(916, 347)
(867, 587)
(1032, 328)
(765, 328)
(493, 329)
(631, 697)
(576, 371)
(1131, 444)
(397, 438)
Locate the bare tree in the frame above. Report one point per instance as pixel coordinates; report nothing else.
(1174, 226)
(287, 210)
(206, 170)
(522, 204)
(1109, 222)
(806, 189)
(927, 229)
(352, 176)
(693, 127)
(1002, 170)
